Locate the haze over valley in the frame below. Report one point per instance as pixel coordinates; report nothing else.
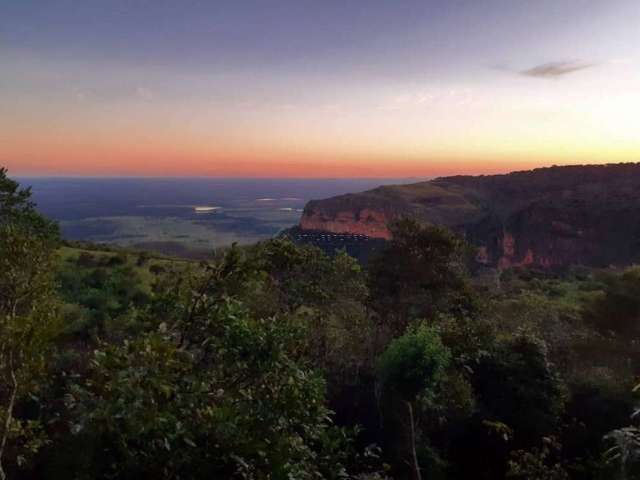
(182, 216)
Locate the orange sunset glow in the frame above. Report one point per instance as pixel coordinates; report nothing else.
(419, 95)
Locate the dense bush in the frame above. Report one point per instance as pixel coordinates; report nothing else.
(280, 361)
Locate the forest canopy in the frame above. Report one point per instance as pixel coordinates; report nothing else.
(280, 361)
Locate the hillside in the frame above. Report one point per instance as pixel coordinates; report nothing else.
(549, 216)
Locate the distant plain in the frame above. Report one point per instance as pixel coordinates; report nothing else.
(182, 216)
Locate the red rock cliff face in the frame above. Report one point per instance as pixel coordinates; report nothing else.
(511, 257)
(534, 236)
(547, 217)
(363, 222)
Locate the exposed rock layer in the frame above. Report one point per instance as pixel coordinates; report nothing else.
(548, 217)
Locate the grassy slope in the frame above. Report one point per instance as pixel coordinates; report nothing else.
(69, 254)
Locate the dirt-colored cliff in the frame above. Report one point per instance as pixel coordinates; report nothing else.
(548, 217)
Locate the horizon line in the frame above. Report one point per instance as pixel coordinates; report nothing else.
(296, 178)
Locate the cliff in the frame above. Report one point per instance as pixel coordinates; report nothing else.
(548, 217)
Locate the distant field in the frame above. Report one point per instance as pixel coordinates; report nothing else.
(174, 235)
(181, 217)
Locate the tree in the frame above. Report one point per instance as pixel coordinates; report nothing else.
(28, 320)
(329, 294)
(617, 309)
(518, 385)
(105, 294)
(421, 272)
(539, 463)
(413, 365)
(210, 389)
(306, 276)
(625, 451)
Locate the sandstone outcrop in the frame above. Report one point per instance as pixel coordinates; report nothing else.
(548, 217)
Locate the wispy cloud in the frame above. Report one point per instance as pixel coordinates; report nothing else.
(556, 69)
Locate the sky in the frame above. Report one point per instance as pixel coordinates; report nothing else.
(308, 88)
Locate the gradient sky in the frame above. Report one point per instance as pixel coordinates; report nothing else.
(314, 88)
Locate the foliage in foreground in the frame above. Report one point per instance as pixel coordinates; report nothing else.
(28, 320)
(277, 361)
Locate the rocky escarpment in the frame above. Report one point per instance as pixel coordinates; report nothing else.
(548, 217)
(369, 213)
(366, 221)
